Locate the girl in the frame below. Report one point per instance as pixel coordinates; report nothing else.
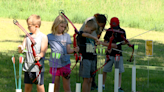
(59, 42)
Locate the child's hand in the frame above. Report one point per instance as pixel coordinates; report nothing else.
(109, 51)
(20, 49)
(127, 42)
(114, 45)
(76, 49)
(37, 58)
(101, 42)
(97, 41)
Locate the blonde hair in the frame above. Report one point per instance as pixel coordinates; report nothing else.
(34, 20)
(59, 19)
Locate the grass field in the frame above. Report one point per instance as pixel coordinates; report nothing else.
(143, 14)
(11, 36)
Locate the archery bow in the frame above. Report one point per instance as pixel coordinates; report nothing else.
(130, 45)
(77, 58)
(33, 50)
(123, 37)
(109, 47)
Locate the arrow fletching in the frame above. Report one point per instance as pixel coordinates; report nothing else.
(58, 55)
(21, 58)
(13, 59)
(53, 55)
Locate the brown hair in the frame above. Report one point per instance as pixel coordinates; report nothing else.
(59, 19)
(34, 20)
(100, 18)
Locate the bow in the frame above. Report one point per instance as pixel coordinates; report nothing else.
(130, 45)
(77, 58)
(109, 47)
(123, 37)
(33, 50)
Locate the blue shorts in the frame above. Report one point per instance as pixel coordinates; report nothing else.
(87, 67)
(28, 79)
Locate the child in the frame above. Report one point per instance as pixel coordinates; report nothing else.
(59, 42)
(34, 22)
(87, 48)
(117, 38)
(100, 21)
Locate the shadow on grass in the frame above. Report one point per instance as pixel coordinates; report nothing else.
(155, 82)
(15, 41)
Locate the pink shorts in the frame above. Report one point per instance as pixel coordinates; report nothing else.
(60, 71)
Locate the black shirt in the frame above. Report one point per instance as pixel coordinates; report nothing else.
(117, 38)
(87, 46)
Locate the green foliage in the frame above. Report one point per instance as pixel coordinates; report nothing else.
(144, 14)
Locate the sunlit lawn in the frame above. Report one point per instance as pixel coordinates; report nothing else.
(11, 36)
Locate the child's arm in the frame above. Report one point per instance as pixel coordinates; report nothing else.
(70, 51)
(124, 42)
(44, 46)
(92, 37)
(22, 47)
(106, 43)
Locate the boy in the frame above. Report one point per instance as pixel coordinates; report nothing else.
(87, 48)
(34, 22)
(100, 21)
(117, 38)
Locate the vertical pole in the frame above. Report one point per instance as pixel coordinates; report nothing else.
(78, 87)
(134, 71)
(148, 74)
(134, 75)
(116, 76)
(134, 79)
(100, 76)
(18, 90)
(51, 87)
(149, 52)
(100, 82)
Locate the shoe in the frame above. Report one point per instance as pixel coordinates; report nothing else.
(92, 88)
(120, 90)
(96, 86)
(103, 88)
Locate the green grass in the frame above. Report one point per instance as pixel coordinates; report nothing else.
(11, 36)
(143, 14)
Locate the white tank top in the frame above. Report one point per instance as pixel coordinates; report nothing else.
(29, 60)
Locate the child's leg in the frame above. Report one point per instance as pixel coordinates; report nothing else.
(28, 88)
(86, 87)
(104, 77)
(66, 85)
(121, 69)
(57, 84)
(28, 83)
(90, 84)
(108, 68)
(40, 88)
(119, 85)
